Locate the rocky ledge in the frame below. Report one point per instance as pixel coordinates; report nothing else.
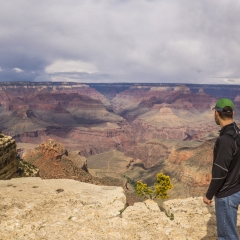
(32, 208)
(8, 157)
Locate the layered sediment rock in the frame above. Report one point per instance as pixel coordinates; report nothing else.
(146, 130)
(194, 164)
(88, 140)
(8, 157)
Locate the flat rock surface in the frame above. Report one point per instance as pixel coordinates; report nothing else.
(31, 208)
(35, 209)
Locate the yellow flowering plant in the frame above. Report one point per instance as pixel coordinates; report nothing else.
(159, 190)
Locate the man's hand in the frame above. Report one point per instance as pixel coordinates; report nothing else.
(207, 201)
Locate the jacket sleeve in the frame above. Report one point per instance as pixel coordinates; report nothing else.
(224, 154)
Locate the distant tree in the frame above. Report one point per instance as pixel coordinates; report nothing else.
(159, 190)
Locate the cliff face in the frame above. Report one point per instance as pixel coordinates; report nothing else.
(36, 209)
(179, 97)
(30, 109)
(194, 163)
(8, 157)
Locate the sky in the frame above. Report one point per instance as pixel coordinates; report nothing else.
(159, 41)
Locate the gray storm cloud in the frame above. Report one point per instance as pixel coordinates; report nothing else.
(128, 41)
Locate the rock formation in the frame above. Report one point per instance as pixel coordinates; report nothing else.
(166, 117)
(27, 108)
(36, 209)
(194, 167)
(53, 161)
(8, 157)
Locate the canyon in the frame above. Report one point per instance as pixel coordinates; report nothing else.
(121, 131)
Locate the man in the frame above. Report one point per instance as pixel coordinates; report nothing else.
(225, 183)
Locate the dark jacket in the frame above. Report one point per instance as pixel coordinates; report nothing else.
(226, 165)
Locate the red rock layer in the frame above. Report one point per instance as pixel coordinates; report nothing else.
(194, 164)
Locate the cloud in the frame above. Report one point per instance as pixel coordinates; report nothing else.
(1, 69)
(70, 66)
(128, 41)
(78, 76)
(220, 80)
(232, 81)
(18, 70)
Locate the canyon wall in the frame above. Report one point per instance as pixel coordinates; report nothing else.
(8, 157)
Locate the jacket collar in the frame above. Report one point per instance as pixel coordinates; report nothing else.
(227, 127)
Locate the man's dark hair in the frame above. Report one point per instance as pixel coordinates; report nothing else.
(227, 113)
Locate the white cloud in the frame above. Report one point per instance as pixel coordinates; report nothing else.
(18, 70)
(232, 81)
(70, 66)
(1, 69)
(222, 80)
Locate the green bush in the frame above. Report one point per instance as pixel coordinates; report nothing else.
(159, 190)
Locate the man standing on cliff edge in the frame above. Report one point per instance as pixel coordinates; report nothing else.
(225, 182)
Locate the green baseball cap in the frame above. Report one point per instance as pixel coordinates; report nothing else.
(222, 103)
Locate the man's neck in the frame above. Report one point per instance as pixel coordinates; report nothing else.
(225, 123)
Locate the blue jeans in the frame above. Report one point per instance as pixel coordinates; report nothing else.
(226, 214)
